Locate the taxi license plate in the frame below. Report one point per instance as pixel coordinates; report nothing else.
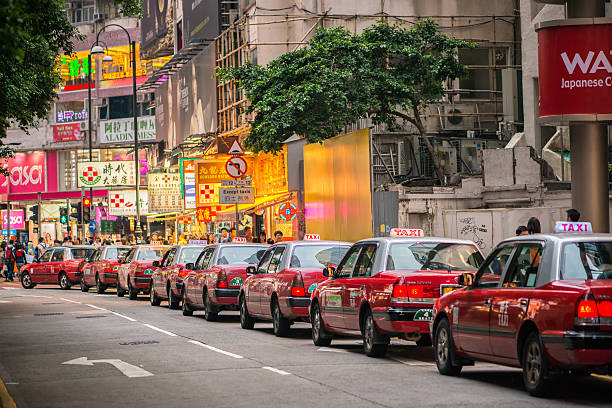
(148, 272)
(423, 315)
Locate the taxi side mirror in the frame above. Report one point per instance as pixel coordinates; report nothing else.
(156, 264)
(251, 270)
(189, 266)
(329, 271)
(466, 279)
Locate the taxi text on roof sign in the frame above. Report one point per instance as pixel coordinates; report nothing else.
(406, 232)
(563, 226)
(312, 237)
(239, 240)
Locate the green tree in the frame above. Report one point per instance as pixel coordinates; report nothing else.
(389, 74)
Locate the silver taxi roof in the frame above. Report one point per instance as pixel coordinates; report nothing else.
(390, 240)
(562, 237)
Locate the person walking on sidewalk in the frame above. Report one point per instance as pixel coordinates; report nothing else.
(20, 254)
(10, 261)
(3, 259)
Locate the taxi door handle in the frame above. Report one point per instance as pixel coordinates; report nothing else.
(487, 302)
(523, 302)
(341, 288)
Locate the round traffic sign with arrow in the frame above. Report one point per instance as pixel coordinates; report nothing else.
(236, 167)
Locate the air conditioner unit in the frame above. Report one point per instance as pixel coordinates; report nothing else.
(101, 102)
(471, 154)
(83, 126)
(98, 17)
(447, 155)
(459, 119)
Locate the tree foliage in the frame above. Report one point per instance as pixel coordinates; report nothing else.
(387, 73)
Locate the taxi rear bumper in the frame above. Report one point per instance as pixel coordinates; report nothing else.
(109, 277)
(400, 320)
(142, 282)
(579, 340)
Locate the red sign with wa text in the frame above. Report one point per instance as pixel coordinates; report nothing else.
(575, 70)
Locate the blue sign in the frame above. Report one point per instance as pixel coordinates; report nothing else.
(93, 226)
(5, 232)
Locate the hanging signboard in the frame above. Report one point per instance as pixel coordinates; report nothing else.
(123, 202)
(189, 183)
(207, 194)
(210, 171)
(105, 174)
(165, 192)
(122, 130)
(28, 173)
(239, 195)
(206, 214)
(17, 219)
(68, 132)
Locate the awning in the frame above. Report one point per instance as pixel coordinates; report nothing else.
(259, 204)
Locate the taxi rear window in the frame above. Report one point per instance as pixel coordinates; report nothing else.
(114, 253)
(433, 256)
(317, 256)
(241, 255)
(146, 254)
(189, 255)
(587, 260)
(78, 253)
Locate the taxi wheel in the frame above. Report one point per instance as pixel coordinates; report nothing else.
(26, 281)
(84, 287)
(100, 287)
(120, 291)
(64, 282)
(155, 301)
(246, 321)
(173, 301)
(535, 367)
(443, 350)
(374, 343)
(210, 312)
(133, 293)
(319, 336)
(280, 323)
(187, 311)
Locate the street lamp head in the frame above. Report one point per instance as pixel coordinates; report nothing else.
(97, 50)
(107, 58)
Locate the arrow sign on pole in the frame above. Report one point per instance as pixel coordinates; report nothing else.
(127, 369)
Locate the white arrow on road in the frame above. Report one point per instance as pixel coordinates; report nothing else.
(127, 369)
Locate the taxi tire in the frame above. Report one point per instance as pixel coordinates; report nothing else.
(173, 301)
(444, 338)
(210, 312)
(246, 321)
(155, 301)
(375, 344)
(187, 311)
(280, 323)
(84, 287)
(133, 293)
(535, 367)
(100, 287)
(320, 337)
(120, 290)
(64, 282)
(26, 281)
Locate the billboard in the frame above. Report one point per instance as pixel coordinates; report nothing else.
(68, 132)
(123, 202)
(187, 167)
(200, 20)
(27, 173)
(122, 130)
(155, 27)
(17, 219)
(165, 192)
(106, 174)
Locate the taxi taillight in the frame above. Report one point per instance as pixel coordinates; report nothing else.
(222, 280)
(182, 273)
(586, 311)
(297, 286)
(108, 270)
(604, 308)
(400, 293)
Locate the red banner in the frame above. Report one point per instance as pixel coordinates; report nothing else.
(575, 70)
(67, 132)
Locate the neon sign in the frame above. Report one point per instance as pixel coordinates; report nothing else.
(71, 116)
(287, 211)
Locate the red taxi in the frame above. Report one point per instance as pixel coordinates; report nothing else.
(279, 288)
(214, 282)
(57, 265)
(100, 269)
(167, 280)
(134, 274)
(540, 302)
(386, 287)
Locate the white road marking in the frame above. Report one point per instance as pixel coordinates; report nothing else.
(227, 353)
(37, 296)
(276, 370)
(160, 330)
(7, 288)
(125, 317)
(331, 350)
(5, 301)
(71, 301)
(96, 307)
(127, 369)
(411, 362)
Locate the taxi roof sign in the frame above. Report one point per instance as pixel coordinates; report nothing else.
(242, 240)
(406, 232)
(566, 226)
(312, 237)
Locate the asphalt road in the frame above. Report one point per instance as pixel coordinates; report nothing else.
(176, 361)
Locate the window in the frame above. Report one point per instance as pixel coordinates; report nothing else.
(365, 262)
(276, 259)
(80, 253)
(587, 260)
(204, 259)
(265, 261)
(523, 270)
(46, 257)
(490, 274)
(317, 256)
(189, 255)
(346, 267)
(433, 256)
(168, 258)
(58, 255)
(148, 254)
(483, 79)
(240, 255)
(114, 253)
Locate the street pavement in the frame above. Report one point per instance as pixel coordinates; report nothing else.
(73, 349)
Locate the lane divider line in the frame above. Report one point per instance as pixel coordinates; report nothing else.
(96, 307)
(71, 301)
(227, 353)
(125, 317)
(276, 370)
(160, 330)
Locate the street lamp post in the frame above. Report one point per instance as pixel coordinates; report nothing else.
(98, 50)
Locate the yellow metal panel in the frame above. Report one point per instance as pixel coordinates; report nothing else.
(337, 187)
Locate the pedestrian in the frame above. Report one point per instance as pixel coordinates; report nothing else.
(270, 241)
(521, 230)
(232, 234)
(10, 261)
(57, 243)
(262, 237)
(278, 236)
(3, 259)
(224, 236)
(20, 256)
(573, 215)
(124, 241)
(248, 234)
(533, 226)
(40, 248)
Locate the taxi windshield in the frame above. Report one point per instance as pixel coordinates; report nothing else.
(317, 256)
(189, 255)
(587, 260)
(147, 254)
(433, 256)
(78, 253)
(114, 253)
(241, 255)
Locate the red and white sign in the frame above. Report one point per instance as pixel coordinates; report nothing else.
(575, 70)
(312, 237)
(67, 132)
(236, 149)
(407, 232)
(561, 226)
(123, 202)
(17, 219)
(236, 167)
(239, 240)
(27, 173)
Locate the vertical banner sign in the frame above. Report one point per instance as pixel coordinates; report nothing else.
(123, 202)
(189, 183)
(27, 173)
(105, 174)
(165, 192)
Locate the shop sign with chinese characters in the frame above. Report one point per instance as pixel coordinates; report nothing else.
(123, 202)
(69, 132)
(189, 182)
(165, 192)
(238, 195)
(206, 214)
(122, 130)
(105, 174)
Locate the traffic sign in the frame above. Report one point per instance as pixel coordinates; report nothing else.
(235, 149)
(238, 195)
(236, 167)
(93, 226)
(236, 183)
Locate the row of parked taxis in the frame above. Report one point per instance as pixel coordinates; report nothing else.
(539, 302)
